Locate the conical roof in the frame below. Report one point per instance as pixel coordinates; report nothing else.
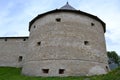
(67, 7)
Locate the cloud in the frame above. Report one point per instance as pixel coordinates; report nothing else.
(16, 14)
(9, 34)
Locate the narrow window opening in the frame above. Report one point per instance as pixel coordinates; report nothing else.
(5, 39)
(24, 39)
(92, 24)
(58, 19)
(34, 26)
(20, 58)
(86, 42)
(107, 68)
(61, 71)
(38, 43)
(46, 71)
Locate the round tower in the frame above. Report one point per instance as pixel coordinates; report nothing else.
(66, 42)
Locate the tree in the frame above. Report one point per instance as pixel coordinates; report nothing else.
(119, 61)
(113, 56)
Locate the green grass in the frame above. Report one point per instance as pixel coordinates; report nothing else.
(10, 73)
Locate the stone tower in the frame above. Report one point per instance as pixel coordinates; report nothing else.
(66, 42)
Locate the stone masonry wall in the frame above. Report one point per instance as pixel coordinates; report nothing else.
(12, 51)
(68, 41)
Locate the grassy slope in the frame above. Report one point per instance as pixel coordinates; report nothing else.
(9, 73)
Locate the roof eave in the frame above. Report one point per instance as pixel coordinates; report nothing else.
(61, 10)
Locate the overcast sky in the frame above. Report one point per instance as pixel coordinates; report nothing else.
(15, 16)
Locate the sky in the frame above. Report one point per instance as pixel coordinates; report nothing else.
(15, 16)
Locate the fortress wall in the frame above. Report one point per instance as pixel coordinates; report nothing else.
(70, 67)
(75, 43)
(12, 51)
(66, 39)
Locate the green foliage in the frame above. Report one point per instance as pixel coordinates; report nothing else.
(114, 56)
(113, 75)
(10, 73)
(119, 60)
